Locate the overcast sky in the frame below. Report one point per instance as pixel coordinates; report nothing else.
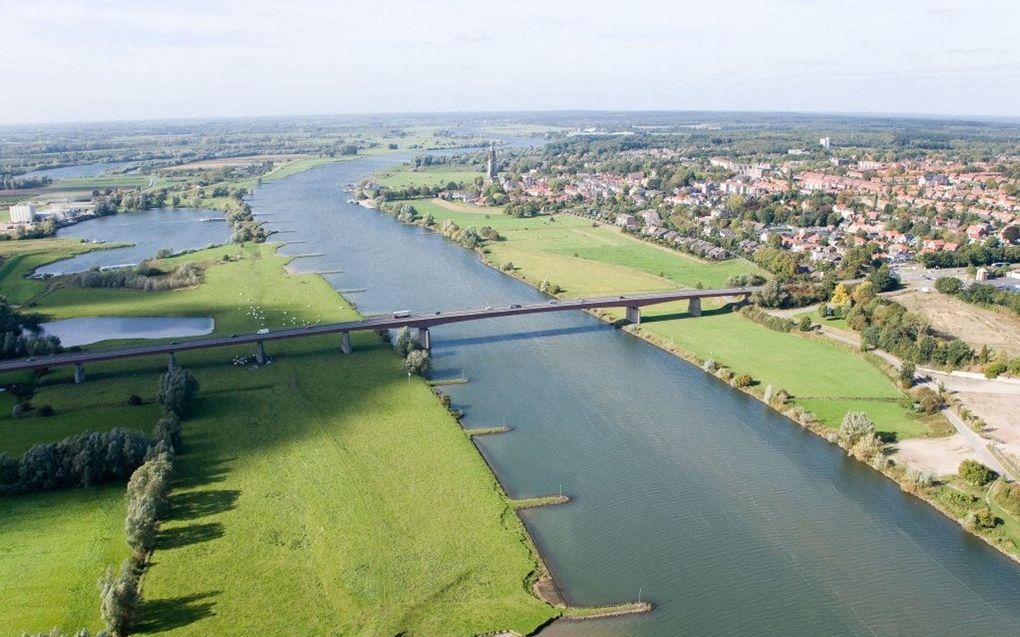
(66, 60)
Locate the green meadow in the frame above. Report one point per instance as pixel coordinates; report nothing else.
(591, 260)
(315, 495)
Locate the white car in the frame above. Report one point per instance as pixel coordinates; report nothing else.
(263, 331)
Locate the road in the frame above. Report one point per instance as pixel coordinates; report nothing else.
(979, 444)
(421, 321)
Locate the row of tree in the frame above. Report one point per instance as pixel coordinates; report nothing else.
(146, 278)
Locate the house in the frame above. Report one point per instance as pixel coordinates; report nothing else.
(626, 221)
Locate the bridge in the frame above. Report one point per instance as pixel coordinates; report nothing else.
(421, 322)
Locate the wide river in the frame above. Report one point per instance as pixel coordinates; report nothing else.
(730, 518)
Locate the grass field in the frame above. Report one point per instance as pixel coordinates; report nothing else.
(19, 258)
(590, 261)
(564, 247)
(438, 176)
(314, 496)
(55, 546)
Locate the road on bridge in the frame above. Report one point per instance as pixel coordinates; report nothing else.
(399, 319)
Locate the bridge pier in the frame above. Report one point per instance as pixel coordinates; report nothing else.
(424, 338)
(694, 306)
(260, 353)
(79, 373)
(634, 315)
(171, 362)
(345, 342)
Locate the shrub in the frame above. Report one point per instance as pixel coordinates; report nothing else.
(507, 267)
(1010, 496)
(982, 518)
(724, 373)
(710, 366)
(134, 399)
(976, 473)
(920, 477)
(743, 380)
(856, 426)
(805, 324)
(46, 411)
(995, 368)
(928, 401)
(948, 285)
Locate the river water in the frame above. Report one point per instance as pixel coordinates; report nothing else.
(730, 518)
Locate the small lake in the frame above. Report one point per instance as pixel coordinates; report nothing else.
(84, 170)
(176, 229)
(89, 330)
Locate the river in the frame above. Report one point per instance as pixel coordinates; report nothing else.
(730, 518)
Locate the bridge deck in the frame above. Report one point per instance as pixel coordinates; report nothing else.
(370, 323)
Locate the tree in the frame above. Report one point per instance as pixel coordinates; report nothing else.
(840, 296)
(772, 294)
(883, 279)
(119, 599)
(856, 426)
(863, 293)
(405, 343)
(976, 473)
(177, 390)
(417, 362)
(907, 371)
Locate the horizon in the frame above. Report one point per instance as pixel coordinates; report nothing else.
(124, 61)
(849, 115)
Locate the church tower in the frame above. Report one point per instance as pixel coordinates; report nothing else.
(491, 167)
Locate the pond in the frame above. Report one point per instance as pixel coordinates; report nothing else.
(89, 330)
(148, 231)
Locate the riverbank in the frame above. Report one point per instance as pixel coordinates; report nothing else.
(313, 481)
(819, 381)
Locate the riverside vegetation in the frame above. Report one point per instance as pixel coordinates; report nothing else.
(304, 495)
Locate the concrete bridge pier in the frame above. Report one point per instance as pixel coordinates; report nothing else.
(634, 315)
(424, 338)
(79, 373)
(171, 362)
(694, 306)
(345, 342)
(260, 353)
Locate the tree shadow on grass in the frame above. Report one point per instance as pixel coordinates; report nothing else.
(158, 615)
(179, 536)
(198, 504)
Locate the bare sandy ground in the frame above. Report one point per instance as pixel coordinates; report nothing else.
(940, 456)
(977, 326)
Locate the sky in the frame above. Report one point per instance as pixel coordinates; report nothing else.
(67, 60)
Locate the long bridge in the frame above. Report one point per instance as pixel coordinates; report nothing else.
(421, 322)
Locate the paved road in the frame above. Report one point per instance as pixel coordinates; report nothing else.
(423, 321)
(979, 444)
